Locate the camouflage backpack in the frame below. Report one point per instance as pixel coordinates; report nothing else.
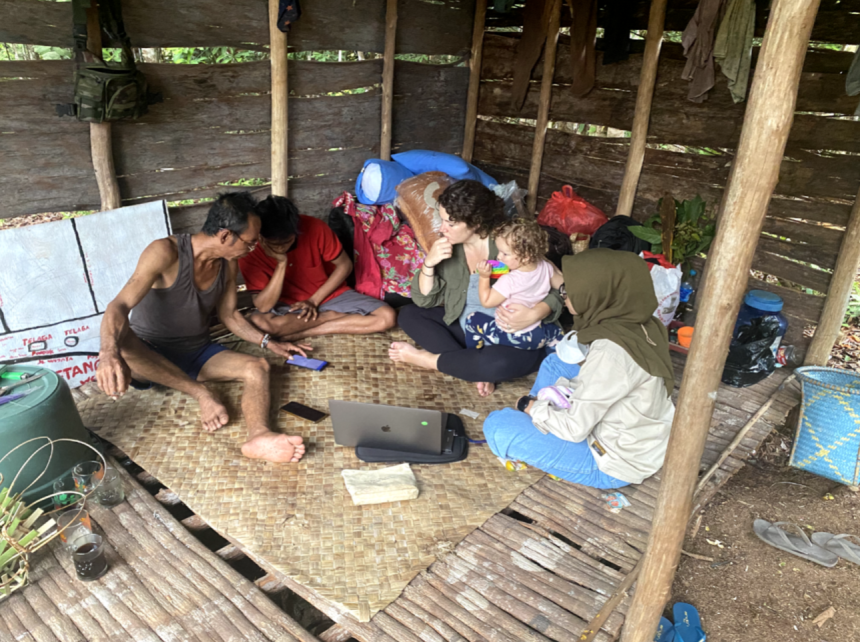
(105, 91)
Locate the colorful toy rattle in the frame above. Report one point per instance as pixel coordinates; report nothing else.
(499, 268)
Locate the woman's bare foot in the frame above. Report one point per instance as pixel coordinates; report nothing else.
(213, 414)
(408, 353)
(275, 447)
(486, 388)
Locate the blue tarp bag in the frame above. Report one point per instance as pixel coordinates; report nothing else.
(378, 180)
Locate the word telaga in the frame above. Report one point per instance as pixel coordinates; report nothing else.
(73, 331)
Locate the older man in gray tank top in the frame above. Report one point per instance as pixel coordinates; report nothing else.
(178, 284)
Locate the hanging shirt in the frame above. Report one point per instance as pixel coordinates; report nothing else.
(733, 46)
(698, 41)
(583, 33)
(852, 80)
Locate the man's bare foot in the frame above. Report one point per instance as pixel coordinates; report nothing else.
(486, 388)
(213, 414)
(275, 447)
(408, 353)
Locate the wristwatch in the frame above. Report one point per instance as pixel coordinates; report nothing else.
(523, 402)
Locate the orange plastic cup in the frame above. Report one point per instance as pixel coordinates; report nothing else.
(685, 336)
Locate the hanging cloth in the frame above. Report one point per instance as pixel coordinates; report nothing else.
(535, 25)
(852, 80)
(616, 33)
(698, 42)
(583, 32)
(288, 12)
(733, 46)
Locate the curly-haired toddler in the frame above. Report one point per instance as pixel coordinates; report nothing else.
(522, 245)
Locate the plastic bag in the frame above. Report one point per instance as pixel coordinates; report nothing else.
(667, 286)
(513, 197)
(750, 355)
(570, 213)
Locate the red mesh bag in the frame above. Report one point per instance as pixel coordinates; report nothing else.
(570, 213)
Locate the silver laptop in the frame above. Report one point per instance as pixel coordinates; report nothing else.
(372, 425)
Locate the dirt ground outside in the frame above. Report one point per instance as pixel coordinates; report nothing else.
(752, 591)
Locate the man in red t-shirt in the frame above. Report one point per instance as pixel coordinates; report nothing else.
(297, 276)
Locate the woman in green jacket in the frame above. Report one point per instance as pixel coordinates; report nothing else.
(445, 292)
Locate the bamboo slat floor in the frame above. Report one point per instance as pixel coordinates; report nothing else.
(162, 585)
(300, 517)
(542, 568)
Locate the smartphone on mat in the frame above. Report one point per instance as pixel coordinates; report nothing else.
(304, 412)
(305, 362)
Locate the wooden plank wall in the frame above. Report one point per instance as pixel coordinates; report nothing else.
(213, 126)
(438, 27)
(819, 177)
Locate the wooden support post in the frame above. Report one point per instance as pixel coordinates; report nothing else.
(754, 174)
(474, 80)
(593, 627)
(836, 303)
(101, 147)
(388, 79)
(278, 55)
(543, 107)
(642, 114)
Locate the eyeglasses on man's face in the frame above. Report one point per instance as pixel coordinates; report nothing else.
(248, 244)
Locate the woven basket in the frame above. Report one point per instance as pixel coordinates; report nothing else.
(828, 431)
(579, 242)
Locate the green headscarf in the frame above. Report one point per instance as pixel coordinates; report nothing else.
(613, 296)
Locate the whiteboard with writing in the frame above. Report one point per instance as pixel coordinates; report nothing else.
(57, 278)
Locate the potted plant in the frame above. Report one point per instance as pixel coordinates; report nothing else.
(679, 230)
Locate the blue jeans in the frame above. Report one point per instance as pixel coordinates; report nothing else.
(511, 434)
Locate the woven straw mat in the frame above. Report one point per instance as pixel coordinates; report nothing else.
(299, 517)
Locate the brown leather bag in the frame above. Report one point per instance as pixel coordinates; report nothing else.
(417, 199)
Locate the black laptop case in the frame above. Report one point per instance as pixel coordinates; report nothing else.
(458, 452)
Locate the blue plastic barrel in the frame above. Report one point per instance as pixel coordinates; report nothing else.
(759, 303)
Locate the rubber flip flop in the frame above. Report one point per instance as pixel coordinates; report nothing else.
(796, 544)
(665, 632)
(688, 624)
(845, 546)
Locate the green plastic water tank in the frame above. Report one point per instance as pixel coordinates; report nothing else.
(48, 411)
